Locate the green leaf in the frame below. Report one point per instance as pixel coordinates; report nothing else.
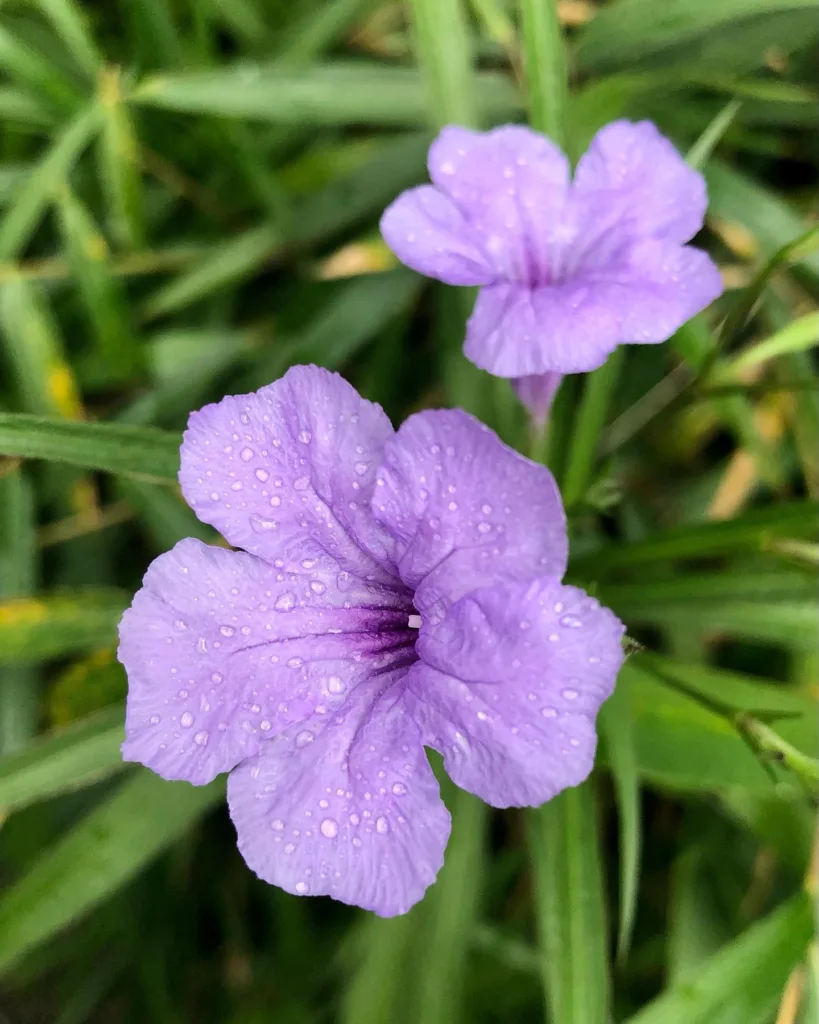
(27, 64)
(24, 214)
(680, 744)
(31, 337)
(742, 983)
(617, 732)
(116, 448)
(749, 531)
(378, 986)
(332, 94)
(19, 688)
(79, 755)
(102, 294)
(235, 260)
(587, 426)
(97, 857)
(69, 20)
(546, 75)
(696, 927)
(52, 626)
(118, 154)
(796, 337)
(570, 906)
(629, 30)
(443, 52)
(450, 912)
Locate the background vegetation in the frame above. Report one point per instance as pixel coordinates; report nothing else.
(189, 195)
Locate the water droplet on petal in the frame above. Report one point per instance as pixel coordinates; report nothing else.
(548, 712)
(336, 685)
(571, 622)
(399, 789)
(304, 738)
(305, 437)
(246, 454)
(277, 824)
(317, 587)
(227, 630)
(301, 483)
(155, 719)
(260, 524)
(262, 474)
(382, 826)
(180, 625)
(329, 828)
(186, 721)
(201, 739)
(569, 694)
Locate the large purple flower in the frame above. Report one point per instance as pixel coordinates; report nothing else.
(568, 269)
(395, 590)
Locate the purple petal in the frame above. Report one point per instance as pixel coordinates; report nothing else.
(427, 232)
(511, 185)
(509, 685)
(464, 510)
(291, 465)
(633, 174)
(536, 393)
(354, 813)
(572, 327)
(223, 651)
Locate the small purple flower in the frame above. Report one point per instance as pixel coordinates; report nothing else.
(394, 590)
(568, 269)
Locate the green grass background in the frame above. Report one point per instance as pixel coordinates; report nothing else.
(189, 196)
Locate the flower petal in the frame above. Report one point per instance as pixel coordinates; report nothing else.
(509, 685)
(634, 175)
(464, 510)
(223, 651)
(536, 393)
(291, 465)
(511, 185)
(355, 814)
(427, 232)
(572, 327)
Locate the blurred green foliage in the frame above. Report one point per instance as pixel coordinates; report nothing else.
(189, 195)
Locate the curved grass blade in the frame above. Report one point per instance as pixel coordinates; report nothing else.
(79, 755)
(570, 907)
(116, 448)
(98, 856)
(443, 51)
(39, 629)
(742, 983)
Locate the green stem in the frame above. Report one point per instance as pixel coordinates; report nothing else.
(545, 69)
(443, 53)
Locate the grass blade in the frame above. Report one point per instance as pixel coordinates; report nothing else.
(443, 52)
(569, 907)
(116, 448)
(77, 756)
(617, 732)
(49, 627)
(69, 21)
(546, 75)
(24, 214)
(741, 983)
(98, 856)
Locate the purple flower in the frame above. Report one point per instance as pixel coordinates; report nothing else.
(394, 590)
(568, 269)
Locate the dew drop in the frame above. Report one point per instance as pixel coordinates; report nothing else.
(399, 789)
(305, 437)
(201, 739)
(571, 622)
(155, 719)
(301, 483)
(180, 625)
(548, 712)
(275, 501)
(317, 587)
(246, 454)
(484, 528)
(382, 826)
(289, 847)
(329, 828)
(227, 630)
(570, 694)
(304, 738)
(361, 468)
(294, 662)
(260, 524)
(336, 685)
(277, 824)
(262, 474)
(186, 720)
(285, 602)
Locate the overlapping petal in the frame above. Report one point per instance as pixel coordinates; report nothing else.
(508, 687)
(428, 232)
(349, 809)
(291, 466)
(224, 650)
(572, 327)
(637, 177)
(464, 510)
